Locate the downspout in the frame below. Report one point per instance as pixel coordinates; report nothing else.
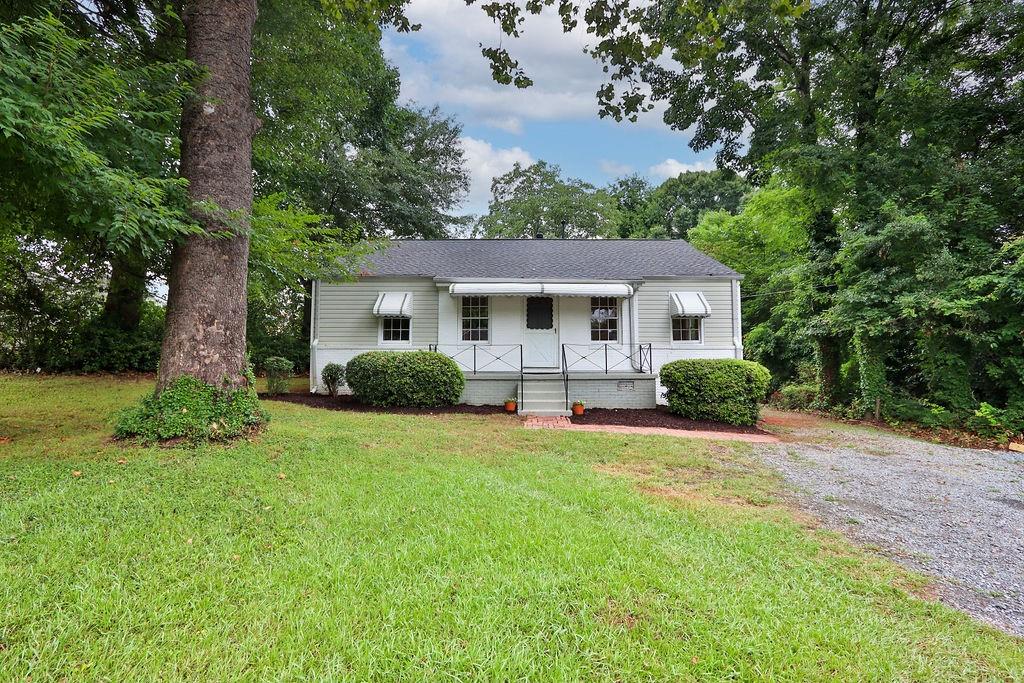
(636, 365)
(737, 325)
(313, 339)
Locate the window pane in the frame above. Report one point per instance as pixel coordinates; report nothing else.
(475, 315)
(604, 318)
(395, 329)
(686, 329)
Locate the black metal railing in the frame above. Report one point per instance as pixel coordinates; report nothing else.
(476, 358)
(605, 358)
(565, 377)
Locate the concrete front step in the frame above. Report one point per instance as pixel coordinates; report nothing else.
(543, 396)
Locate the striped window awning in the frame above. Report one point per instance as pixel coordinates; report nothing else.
(393, 305)
(689, 304)
(540, 289)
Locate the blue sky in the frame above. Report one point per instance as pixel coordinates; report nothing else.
(555, 120)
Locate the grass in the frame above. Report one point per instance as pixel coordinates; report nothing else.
(360, 546)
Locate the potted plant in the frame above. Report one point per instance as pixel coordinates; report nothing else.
(510, 404)
(577, 407)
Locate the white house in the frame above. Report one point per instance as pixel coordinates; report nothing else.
(548, 321)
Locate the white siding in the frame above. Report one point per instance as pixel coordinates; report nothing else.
(721, 335)
(655, 319)
(344, 311)
(345, 326)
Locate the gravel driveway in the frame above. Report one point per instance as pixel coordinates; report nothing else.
(954, 513)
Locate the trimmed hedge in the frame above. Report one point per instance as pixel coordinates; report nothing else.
(421, 379)
(722, 390)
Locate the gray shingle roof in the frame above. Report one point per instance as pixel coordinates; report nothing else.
(545, 258)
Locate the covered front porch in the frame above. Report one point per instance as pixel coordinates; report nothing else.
(540, 327)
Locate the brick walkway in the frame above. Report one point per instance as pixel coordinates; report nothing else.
(539, 422)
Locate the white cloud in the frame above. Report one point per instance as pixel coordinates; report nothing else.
(441, 63)
(614, 168)
(509, 124)
(670, 168)
(484, 162)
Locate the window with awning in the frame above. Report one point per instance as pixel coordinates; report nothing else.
(393, 305)
(688, 305)
(587, 289)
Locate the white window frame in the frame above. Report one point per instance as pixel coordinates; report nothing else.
(380, 333)
(618, 321)
(462, 300)
(686, 343)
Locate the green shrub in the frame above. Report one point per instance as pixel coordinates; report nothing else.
(796, 396)
(279, 372)
(194, 410)
(100, 347)
(422, 379)
(996, 423)
(902, 408)
(333, 376)
(723, 390)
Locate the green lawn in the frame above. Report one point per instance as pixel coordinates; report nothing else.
(355, 546)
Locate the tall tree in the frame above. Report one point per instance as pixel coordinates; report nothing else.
(206, 303)
(536, 200)
(335, 138)
(632, 197)
(677, 204)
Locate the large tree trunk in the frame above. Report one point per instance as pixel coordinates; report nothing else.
(122, 309)
(206, 305)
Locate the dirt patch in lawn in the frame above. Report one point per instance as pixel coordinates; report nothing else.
(788, 422)
(349, 403)
(654, 417)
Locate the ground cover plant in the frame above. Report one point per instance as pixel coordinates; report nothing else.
(356, 546)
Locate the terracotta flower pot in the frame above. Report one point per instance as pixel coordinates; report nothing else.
(510, 406)
(577, 409)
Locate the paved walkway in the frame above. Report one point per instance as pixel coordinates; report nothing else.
(953, 513)
(543, 422)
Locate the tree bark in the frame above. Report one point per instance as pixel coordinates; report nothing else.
(122, 309)
(307, 310)
(206, 305)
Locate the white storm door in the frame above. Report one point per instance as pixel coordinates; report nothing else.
(541, 347)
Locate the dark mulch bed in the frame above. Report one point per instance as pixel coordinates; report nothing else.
(349, 403)
(654, 417)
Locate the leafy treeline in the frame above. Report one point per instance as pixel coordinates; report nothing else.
(900, 126)
(537, 200)
(885, 140)
(90, 196)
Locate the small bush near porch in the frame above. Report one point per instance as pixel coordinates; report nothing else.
(349, 546)
(722, 390)
(421, 379)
